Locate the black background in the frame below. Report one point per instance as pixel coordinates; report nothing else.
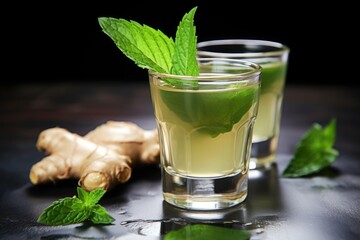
(62, 40)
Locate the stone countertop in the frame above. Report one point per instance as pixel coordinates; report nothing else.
(321, 206)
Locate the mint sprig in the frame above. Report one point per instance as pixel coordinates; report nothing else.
(152, 49)
(314, 151)
(212, 112)
(72, 210)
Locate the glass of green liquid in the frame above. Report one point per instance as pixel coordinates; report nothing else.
(273, 59)
(205, 126)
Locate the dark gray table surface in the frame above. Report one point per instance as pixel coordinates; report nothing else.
(322, 206)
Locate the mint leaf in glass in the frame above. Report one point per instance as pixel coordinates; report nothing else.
(208, 232)
(74, 210)
(213, 112)
(314, 151)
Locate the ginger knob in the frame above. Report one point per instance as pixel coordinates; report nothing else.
(71, 156)
(103, 158)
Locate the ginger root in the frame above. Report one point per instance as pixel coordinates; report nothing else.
(127, 138)
(102, 158)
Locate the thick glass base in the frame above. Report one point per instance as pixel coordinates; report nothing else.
(204, 193)
(263, 153)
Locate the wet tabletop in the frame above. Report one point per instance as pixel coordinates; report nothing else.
(322, 206)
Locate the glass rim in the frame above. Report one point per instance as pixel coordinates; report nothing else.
(256, 69)
(280, 48)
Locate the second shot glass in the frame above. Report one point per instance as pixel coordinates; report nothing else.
(273, 58)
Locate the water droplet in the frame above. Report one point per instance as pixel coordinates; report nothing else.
(150, 193)
(259, 230)
(122, 211)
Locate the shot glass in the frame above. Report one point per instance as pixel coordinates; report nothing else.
(273, 59)
(205, 128)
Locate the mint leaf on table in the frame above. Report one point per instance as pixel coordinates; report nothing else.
(99, 215)
(208, 232)
(74, 210)
(314, 151)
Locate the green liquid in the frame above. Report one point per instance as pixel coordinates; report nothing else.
(205, 133)
(272, 77)
(271, 94)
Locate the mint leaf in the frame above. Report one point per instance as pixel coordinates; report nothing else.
(147, 47)
(100, 216)
(184, 58)
(152, 49)
(95, 196)
(314, 151)
(211, 112)
(64, 212)
(90, 198)
(74, 210)
(208, 232)
(82, 194)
